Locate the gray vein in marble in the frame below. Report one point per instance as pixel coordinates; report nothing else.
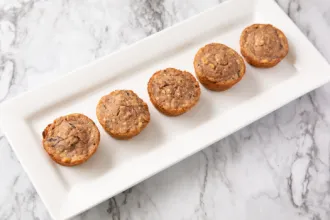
(316, 217)
(152, 202)
(298, 185)
(26, 200)
(3, 140)
(14, 13)
(126, 194)
(263, 194)
(270, 166)
(9, 39)
(311, 97)
(220, 164)
(326, 16)
(32, 207)
(113, 209)
(305, 161)
(204, 184)
(149, 15)
(7, 72)
(294, 7)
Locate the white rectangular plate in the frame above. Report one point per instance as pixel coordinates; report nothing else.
(118, 165)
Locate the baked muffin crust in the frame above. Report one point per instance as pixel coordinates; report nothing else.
(263, 45)
(173, 92)
(71, 140)
(122, 114)
(218, 67)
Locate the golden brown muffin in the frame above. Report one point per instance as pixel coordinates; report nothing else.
(263, 45)
(122, 114)
(173, 92)
(218, 67)
(71, 140)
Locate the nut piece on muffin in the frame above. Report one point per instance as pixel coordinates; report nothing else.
(173, 92)
(71, 140)
(122, 114)
(263, 45)
(218, 67)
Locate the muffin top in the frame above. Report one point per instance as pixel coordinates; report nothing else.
(219, 63)
(173, 89)
(71, 139)
(123, 112)
(264, 42)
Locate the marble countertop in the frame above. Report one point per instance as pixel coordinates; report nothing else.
(276, 168)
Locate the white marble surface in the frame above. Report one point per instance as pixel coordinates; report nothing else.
(277, 168)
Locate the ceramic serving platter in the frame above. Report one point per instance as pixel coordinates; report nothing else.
(118, 165)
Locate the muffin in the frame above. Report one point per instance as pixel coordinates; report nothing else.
(263, 45)
(71, 140)
(218, 67)
(173, 92)
(122, 114)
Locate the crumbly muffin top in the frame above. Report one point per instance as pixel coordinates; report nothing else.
(218, 63)
(174, 89)
(71, 138)
(264, 42)
(123, 112)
